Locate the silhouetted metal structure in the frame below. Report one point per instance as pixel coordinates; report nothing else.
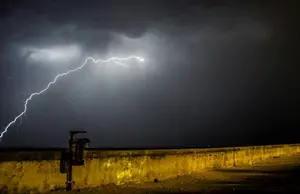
(74, 156)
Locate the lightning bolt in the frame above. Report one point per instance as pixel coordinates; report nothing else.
(117, 60)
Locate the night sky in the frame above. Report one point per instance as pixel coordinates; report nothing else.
(217, 73)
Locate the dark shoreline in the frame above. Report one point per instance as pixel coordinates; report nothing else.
(13, 149)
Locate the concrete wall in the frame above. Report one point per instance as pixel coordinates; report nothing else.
(104, 167)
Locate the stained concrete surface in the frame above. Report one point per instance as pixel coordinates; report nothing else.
(277, 175)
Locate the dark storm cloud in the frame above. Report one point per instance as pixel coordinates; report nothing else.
(220, 68)
(90, 23)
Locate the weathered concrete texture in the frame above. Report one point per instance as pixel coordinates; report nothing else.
(133, 166)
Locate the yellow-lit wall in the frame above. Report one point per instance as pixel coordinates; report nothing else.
(133, 166)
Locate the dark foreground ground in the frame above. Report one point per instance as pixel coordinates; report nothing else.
(279, 175)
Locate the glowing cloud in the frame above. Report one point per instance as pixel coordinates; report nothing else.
(52, 54)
